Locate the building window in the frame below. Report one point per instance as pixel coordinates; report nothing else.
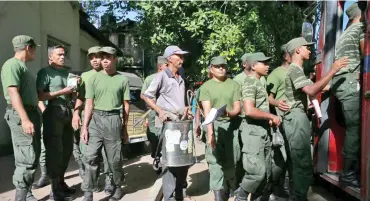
(83, 60)
(53, 42)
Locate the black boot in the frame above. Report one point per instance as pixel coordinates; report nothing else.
(109, 187)
(57, 192)
(20, 194)
(242, 195)
(30, 196)
(220, 195)
(65, 187)
(88, 196)
(118, 194)
(348, 175)
(44, 179)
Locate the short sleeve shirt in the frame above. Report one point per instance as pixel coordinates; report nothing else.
(220, 93)
(51, 79)
(294, 82)
(108, 91)
(84, 79)
(255, 91)
(349, 46)
(276, 82)
(15, 73)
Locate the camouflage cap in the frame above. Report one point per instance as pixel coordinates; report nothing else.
(109, 50)
(218, 60)
(23, 41)
(283, 48)
(257, 57)
(244, 57)
(297, 42)
(353, 11)
(161, 60)
(93, 50)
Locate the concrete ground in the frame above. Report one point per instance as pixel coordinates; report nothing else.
(139, 179)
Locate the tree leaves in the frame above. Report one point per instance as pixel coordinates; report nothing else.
(211, 28)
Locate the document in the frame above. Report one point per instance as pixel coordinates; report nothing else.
(72, 80)
(213, 115)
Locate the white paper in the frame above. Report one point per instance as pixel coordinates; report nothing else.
(173, 136)
(213, 115)
(72, 80)
(317, 107)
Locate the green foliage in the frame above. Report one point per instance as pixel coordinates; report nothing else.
(211, 28)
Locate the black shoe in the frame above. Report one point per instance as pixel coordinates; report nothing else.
(348, 176)
(44, 179)
(21, 194)
(57, 193)
(88, 196)
(242, 195)
(118, 194)
(220, 195)
(109, 187)
(67, 189)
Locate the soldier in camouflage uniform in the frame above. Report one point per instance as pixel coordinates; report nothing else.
(296, 123)
(220, 150)
(345, 85)
(276, 90)
(152, 131)
(256, 151)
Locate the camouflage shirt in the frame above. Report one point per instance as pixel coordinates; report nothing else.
(295, 80)
(255, 91)
(349, 45)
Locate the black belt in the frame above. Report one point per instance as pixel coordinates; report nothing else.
(110, 112)
(26, 107)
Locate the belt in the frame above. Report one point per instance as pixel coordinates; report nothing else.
(26, 107)
(110, 112)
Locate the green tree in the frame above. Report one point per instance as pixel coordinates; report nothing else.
(210, 28)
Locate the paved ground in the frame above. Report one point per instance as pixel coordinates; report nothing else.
(139, 179)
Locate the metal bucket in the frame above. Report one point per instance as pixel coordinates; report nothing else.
(177, 145)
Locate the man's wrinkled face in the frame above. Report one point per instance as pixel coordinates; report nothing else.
(108, 61)
(261, 68)
(176, 60)
(57, 57)
(95, 61)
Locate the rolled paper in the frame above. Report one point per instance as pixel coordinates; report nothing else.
(317, 107)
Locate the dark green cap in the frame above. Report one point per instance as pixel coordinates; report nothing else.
(93, 50)
(297, 42)
(109, 50)
(283, 48)
(257, 57)
(244, 57)
(218, 60)
(353, 11)
(161, 60)
(23, 41)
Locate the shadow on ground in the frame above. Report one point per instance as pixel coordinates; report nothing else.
(199, 184)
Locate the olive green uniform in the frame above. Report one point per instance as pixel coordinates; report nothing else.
(105, 128)
(57, 118)
(152, 132)
(298, 130)
(26, 147)
(243, 125)
(221, 161)
(79, 148)
(256, 150)
(345, 85)
(276, 85)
